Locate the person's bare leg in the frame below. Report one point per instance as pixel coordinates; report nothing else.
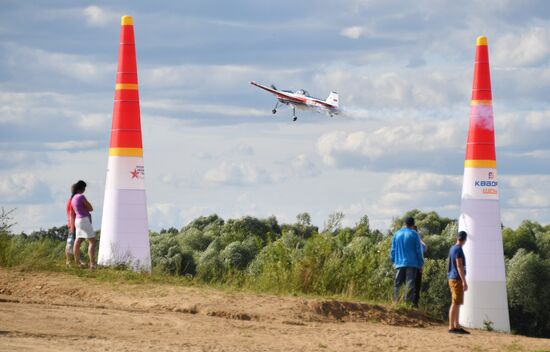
(91, 251)
(453, 316)
(76, 251)
(67, 256)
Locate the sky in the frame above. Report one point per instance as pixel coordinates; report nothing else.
(211, 145)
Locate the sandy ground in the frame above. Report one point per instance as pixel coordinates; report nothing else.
(62, 312)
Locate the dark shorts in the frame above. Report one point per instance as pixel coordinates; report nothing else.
(457, 292)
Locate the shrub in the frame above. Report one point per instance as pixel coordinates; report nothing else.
(210, 267)
(194, 238)
(435, 296)
(170, 257)
(528, 284)
(237, 254)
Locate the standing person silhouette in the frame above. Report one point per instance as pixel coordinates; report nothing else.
(456, 275)
(407, 258)
(83, 224)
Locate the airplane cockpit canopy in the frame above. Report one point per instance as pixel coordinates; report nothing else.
(302, 92)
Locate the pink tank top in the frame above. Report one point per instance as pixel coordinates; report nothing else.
(78, 205)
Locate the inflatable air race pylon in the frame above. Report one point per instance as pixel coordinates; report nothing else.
(124, 228)
(486, 299)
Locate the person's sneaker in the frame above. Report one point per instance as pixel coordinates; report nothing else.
(453, 331)
(462, 331)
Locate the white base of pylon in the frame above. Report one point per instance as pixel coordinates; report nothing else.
(485, 304)
(124, 230)
(486, 298)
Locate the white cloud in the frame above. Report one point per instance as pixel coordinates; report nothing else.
(415, 181)
(96, 122)
(24, 188)
(527, 191)
(217, 109)
(164, 215)
(237, 173)
(526, 48)
(98, 17)
(71, 145)
(303, 166)
(354, 32)
(399, 137)
(215, 78)
(43, 62)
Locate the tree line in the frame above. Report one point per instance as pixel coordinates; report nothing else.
(299, 258)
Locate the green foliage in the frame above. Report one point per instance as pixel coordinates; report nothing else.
(296, 258)
(170, 257)
(436, 297)
(195, 239)
(273, 268)
(488, 325)
(54, 233)
(28, 253)
(438, 246)
(6, 220)
(427, 223)
(523, 237)
(334, 222)
(241, 229)
(528, 284)
(210, 267)
(238, 254)
(543, 244)
(202, 222)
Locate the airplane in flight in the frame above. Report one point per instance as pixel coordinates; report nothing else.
(301, 99)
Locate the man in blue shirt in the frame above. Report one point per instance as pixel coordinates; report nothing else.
(407, 258)
(456, 275)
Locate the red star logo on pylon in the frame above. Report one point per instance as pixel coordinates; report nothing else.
(134, 173)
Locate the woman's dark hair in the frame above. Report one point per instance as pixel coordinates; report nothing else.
(78, 187)
(73, 189)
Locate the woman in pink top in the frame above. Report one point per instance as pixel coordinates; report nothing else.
(83, 224)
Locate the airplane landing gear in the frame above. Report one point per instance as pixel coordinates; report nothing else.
(294, 114)
(274, 111)
(294, 118)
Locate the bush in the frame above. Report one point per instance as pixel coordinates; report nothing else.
(202, 222)
(28, 253)
(194, 238)
(237, 254)
(273, 269)
(523, 237)
(528, 284)
(170, 257)
(210, 267)
(435, 296)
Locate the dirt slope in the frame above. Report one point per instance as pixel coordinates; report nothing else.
(62, 312)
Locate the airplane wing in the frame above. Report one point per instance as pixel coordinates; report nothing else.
(280, 95)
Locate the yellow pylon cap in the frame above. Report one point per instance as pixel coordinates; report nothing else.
(126, 21)
(482, 40)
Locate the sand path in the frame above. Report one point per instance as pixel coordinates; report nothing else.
(63, 312)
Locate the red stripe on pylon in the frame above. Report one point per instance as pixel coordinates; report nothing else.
(126, 127)
(481, 88)
(481, 135)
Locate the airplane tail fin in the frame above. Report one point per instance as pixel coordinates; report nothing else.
(333, 99)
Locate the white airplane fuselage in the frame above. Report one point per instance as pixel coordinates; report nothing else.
(302, 100)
